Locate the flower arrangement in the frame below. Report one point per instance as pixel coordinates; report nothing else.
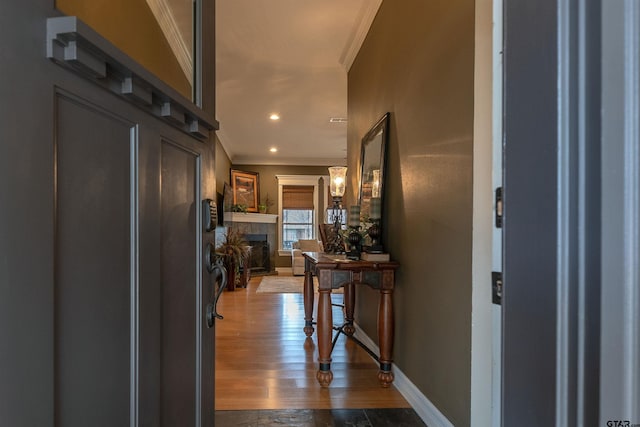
(356, 237)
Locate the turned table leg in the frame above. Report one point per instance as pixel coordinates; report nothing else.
(325, 332)
(308, 303)
(385, 336)
(349, 304)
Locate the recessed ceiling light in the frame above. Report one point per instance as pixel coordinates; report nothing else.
(274, 116)
(338, 120)
(273, 149)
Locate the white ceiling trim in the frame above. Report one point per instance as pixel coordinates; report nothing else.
(288, 161)
(164, 16)
(365, 17)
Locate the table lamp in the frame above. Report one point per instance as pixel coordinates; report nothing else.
(337, 186)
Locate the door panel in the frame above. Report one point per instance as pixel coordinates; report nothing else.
(93, 282)
(530, 207)
(128, 290)
(179, 266)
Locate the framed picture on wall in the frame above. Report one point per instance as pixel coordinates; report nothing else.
(246, 189)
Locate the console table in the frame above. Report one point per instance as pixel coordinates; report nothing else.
(334, 273)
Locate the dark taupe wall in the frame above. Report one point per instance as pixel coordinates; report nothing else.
(131, 26)
(269, 185)
(417, 63)
(223, 165)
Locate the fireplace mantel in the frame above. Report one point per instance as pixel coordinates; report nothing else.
(252, 217)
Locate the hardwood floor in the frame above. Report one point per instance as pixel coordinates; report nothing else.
(264, 360)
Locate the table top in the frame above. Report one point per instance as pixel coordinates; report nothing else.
(340, 262)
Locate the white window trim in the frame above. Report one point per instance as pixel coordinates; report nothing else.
(298, 180)
(326, 193)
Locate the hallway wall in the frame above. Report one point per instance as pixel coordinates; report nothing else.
(223, 165)
(417, 63)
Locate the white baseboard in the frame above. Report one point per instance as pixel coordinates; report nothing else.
(426, 410)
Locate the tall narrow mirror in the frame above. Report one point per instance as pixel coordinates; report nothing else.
(372, 160)
(158, 34)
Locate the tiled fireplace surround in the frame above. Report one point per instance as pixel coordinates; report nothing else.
(252, 223)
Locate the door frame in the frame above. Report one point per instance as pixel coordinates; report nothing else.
(619, 381)
(572, 213)
(487, 168)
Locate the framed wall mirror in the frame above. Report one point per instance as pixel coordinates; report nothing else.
(372, 170)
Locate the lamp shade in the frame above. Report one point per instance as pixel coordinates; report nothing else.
(338, 180)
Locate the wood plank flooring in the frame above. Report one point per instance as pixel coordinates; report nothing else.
(264, 360)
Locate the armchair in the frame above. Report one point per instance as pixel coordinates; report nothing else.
(297, 260)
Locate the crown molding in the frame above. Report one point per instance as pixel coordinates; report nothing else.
(365, 18)
(288, 161)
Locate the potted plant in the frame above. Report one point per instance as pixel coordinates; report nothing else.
(234, 251)
(264, 206)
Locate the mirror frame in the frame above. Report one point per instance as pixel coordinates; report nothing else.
(381, 127)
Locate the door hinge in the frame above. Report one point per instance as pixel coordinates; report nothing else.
(496, 287)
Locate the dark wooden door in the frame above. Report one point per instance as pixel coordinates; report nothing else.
(103, 287)
(128, 291)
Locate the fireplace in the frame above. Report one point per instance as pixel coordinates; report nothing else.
(260, 261)
(259, 231)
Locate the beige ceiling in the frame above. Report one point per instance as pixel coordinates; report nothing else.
(288, 57)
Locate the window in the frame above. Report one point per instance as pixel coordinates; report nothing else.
(299, 208)
(297, 214)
